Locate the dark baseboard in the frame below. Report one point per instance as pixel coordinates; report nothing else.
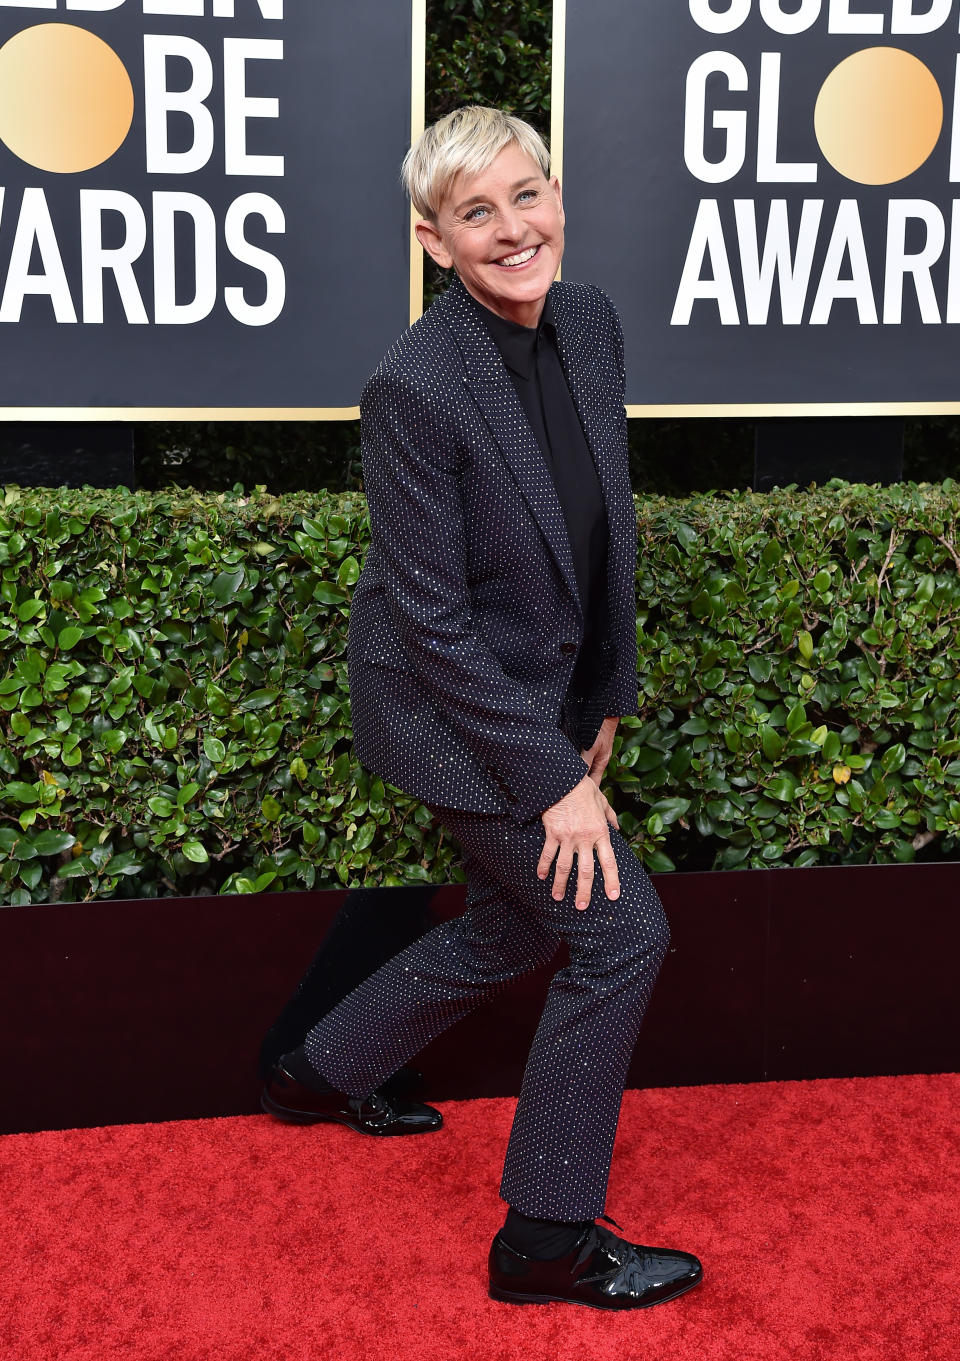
(112, 1012)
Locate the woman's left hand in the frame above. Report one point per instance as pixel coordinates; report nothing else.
(599, 754)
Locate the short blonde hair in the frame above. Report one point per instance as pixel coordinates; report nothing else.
(464, 142)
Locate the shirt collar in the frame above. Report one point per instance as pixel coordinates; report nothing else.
(518, 344)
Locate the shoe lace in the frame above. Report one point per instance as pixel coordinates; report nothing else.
(375, 1104)
(631, 1262)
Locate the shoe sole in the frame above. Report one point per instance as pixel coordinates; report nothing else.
(506, 1297)
(293, 1117)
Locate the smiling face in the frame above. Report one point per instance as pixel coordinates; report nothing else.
(502, 231)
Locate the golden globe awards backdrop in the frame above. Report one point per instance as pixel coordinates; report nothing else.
(770, 192)
(199, 202)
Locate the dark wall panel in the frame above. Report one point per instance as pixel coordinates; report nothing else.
(150, 1010)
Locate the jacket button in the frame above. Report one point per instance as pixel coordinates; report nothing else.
(568, 649)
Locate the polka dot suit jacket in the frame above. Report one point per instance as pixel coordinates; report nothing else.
(466, 621)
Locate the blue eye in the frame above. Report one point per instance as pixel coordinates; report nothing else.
(473, 214)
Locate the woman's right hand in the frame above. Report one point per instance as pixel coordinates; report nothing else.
(579, 823)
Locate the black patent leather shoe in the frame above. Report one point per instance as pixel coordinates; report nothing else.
(601, 1271)
(289, 1100)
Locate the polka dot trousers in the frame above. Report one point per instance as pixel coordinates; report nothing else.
(558, 1157)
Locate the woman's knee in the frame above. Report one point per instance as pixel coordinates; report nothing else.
(638, 926)
(644, 925)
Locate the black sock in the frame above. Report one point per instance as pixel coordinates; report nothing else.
(547, 1239)
(299, 1066)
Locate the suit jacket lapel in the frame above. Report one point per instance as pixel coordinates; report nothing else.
(579, 370)
(495, 395)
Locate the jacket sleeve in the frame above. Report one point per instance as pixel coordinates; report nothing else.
(621, 695)
(416, 510)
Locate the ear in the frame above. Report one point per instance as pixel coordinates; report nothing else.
(430, 238)
(555, 186)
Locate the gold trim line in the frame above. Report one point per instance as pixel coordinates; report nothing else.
(798, 409)
(418, 116)
(558, 70)
(179, 413)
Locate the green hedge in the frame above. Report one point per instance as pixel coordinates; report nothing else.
(175, 714)
(799, 655)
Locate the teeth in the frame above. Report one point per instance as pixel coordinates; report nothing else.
(520, 259)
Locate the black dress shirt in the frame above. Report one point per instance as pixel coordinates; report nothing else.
(532, 358)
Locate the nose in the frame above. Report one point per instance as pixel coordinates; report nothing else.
(509, 225)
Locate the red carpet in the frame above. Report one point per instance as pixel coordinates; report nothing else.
(826, 1214)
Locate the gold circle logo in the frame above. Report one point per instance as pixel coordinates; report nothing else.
(878, 115)
(66, 101)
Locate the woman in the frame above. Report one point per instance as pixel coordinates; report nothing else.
(492, 649)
